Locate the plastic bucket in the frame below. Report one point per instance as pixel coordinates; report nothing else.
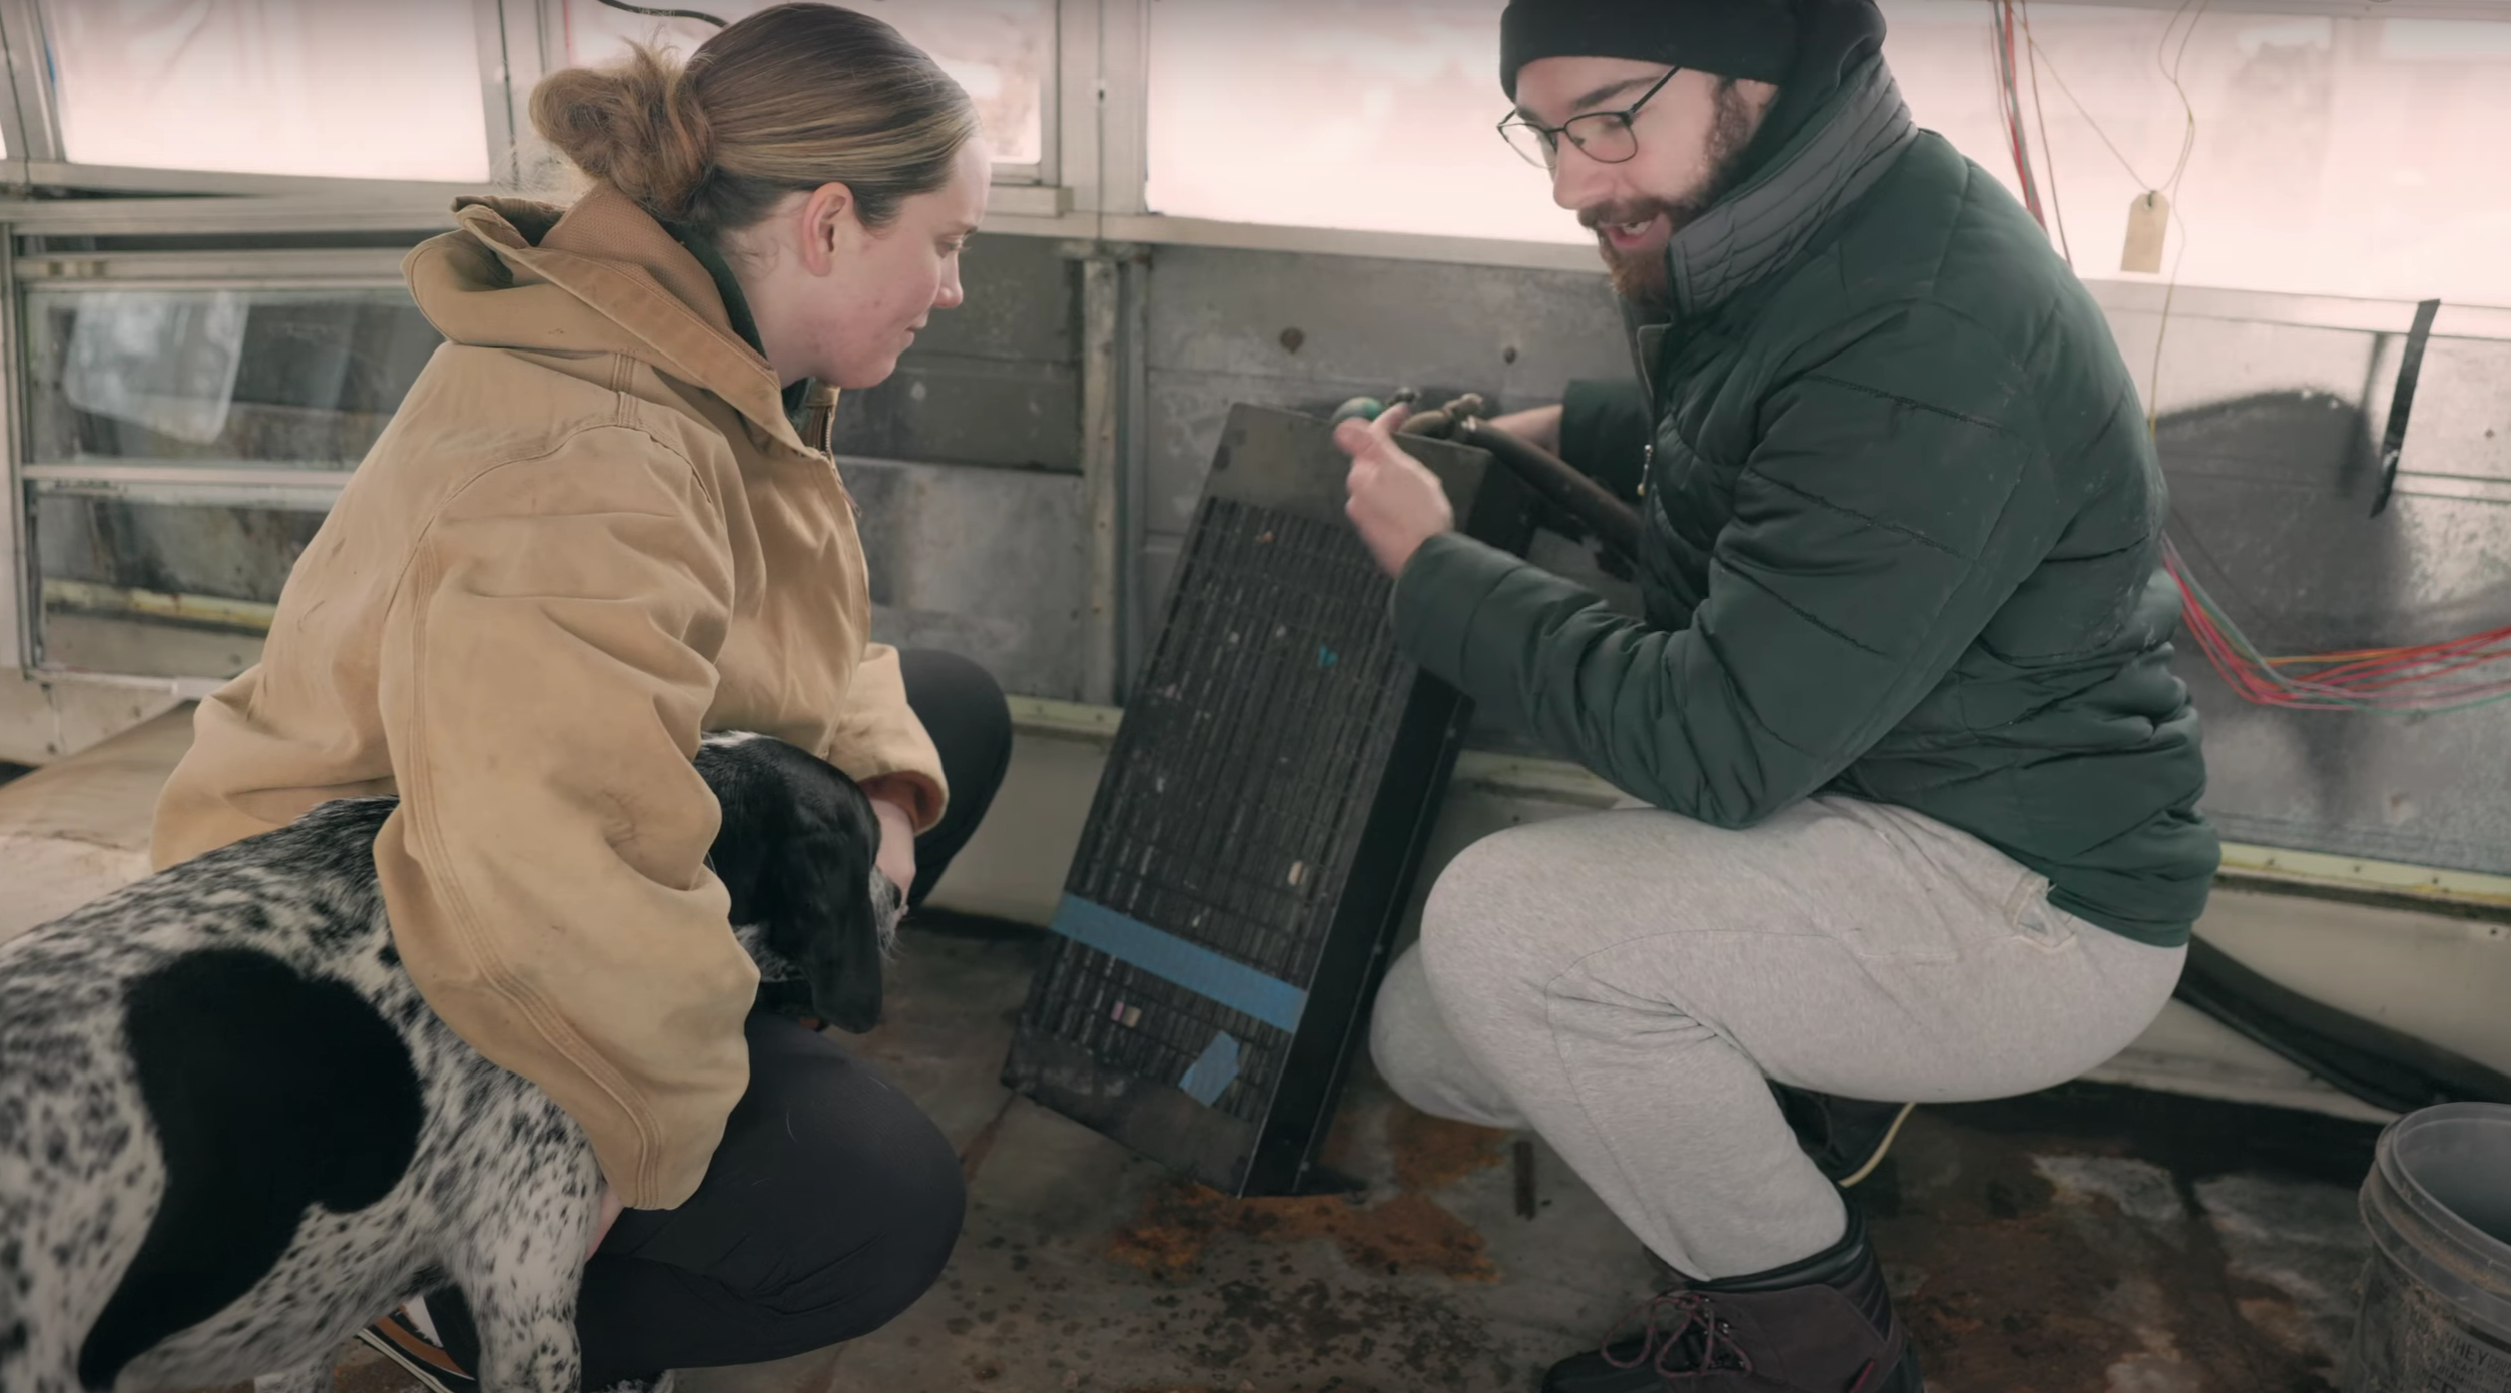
(2436, 1314)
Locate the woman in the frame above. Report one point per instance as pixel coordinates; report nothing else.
(589, 534)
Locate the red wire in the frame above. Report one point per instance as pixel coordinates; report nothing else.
(2013, 111)
(2349, 683)
(2405, 665)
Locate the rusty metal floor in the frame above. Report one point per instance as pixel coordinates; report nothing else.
(2087, 1239)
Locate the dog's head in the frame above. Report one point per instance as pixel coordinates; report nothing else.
(796, 850)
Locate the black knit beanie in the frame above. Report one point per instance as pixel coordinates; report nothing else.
(1751, 39)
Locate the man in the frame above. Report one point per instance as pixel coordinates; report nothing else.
(1922, 789)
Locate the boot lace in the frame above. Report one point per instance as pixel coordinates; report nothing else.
(1682, 1336)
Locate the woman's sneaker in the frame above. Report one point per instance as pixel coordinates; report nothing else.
(408, 1338)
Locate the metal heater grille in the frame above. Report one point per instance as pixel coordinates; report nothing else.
(1265, 709)
(1252, 833)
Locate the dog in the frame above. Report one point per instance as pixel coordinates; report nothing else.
(232, 1133)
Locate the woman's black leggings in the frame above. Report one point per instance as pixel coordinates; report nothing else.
(832, 1202)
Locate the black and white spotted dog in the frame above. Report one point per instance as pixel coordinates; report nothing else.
(232, 1133)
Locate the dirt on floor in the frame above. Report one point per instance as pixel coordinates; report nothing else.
(2030, 1252)
(1395, 1234)
(1408, 1233)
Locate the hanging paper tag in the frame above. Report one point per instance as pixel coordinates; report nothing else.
(2148, 218)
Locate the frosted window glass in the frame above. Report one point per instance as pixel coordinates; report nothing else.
(377, 89)
(1340, 113)
(2334, 156)
(1000, 50)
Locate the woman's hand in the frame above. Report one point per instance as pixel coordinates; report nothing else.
(897, 854)
(601, 1225)
(1396, 502)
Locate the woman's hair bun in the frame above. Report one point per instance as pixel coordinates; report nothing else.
(635, 125)
(789, 99)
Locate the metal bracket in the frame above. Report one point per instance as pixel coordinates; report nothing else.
(2402, 403)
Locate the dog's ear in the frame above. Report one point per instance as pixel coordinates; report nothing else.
(756, 814)
(796, 852)
(850, 936)
(844, 960)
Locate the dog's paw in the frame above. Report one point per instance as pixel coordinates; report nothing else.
(889, 905)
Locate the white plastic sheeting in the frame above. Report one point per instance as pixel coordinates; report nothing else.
(167, 362)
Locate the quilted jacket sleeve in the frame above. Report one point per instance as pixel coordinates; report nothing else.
(1604, 432)
(1888, 508)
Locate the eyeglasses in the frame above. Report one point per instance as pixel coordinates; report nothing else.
(1602, 136)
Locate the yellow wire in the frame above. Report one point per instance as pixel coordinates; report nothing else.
(2162, 330)
(2171, 74)
(2170, 189)
(2188, 140)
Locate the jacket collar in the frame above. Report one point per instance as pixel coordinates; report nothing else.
(620, 263)
(1847, 146)
(737, 314)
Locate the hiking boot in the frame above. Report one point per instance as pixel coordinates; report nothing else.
(1845, 1137)
(1824, 1325)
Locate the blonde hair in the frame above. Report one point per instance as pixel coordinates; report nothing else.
(788, 99)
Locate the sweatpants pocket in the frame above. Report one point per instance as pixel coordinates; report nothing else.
(2035, 920)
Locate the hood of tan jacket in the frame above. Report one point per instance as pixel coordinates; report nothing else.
(588, 535)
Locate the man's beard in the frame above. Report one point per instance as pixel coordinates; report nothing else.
(1642, 277)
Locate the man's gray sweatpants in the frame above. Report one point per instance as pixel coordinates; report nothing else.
(1624, 982)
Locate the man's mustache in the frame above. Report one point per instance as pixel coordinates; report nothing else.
(1626, 214)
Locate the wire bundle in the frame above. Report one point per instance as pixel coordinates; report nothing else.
(2452, 675)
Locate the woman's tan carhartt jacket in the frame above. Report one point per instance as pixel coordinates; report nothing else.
(589, 534)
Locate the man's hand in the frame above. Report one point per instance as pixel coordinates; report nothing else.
(897, 854)
(1396, 502)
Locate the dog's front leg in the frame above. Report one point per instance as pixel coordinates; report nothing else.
(524, 1268)
(305, 1378)
(523, 1300)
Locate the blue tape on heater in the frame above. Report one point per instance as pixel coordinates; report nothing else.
(1212, 1072)
(1190, 965)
